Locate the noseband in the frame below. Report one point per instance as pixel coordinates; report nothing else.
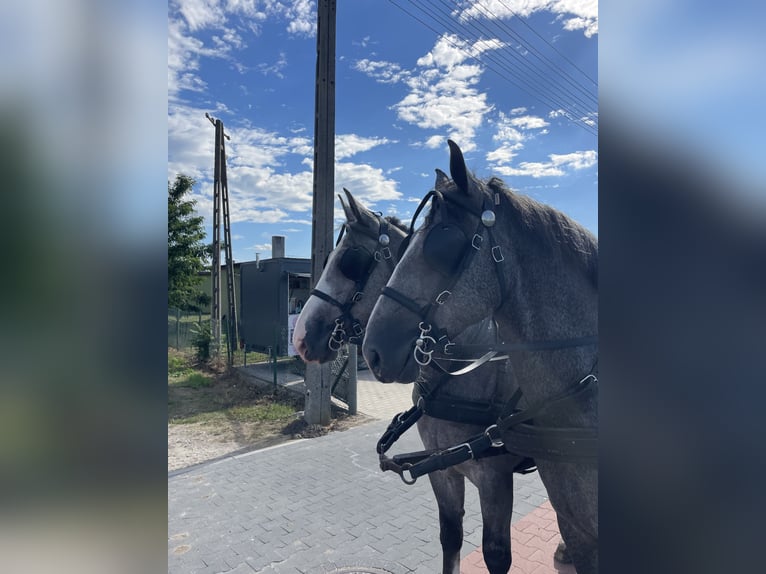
(451, 262)
(356, 264)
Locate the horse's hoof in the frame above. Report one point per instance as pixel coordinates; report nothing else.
(561, 555)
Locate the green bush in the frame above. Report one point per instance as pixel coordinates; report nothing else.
(202, 341)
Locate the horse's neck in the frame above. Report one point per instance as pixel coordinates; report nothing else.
(547, 300)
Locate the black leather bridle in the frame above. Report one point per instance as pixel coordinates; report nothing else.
(432, 337)
(357, 268)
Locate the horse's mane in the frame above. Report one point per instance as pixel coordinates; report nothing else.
(396, 222)
(553, 230)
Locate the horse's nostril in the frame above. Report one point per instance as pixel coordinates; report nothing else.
(373, 360)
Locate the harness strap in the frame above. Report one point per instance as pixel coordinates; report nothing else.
(397, 427)
(458, 351)
(559, 444)
(405, 301)
(466, 411)
(330, 299)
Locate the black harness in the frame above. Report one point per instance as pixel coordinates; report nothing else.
(513, 432)
(357, 264)
(448, 251)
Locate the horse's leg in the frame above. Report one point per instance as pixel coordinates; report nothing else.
(449, 489)
(580, 548)
(496, 498)
(561, 555)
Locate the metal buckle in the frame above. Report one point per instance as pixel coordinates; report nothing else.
(441, 298)
(357, 296)
(497, 441)
(458, 447)
(446, 348)
(358, 329)
(477, 241)
(386, 253)
(497, 254)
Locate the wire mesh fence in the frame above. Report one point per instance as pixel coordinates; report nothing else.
(189, 332)
(183, 328)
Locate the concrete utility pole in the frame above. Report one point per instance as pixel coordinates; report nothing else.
(318, 377)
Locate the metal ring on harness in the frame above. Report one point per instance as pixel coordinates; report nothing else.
(337, 336)
(421, 347)
(413, 479)
(497, 441)
(418, 351)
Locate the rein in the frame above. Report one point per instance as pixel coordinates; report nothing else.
(511, 433)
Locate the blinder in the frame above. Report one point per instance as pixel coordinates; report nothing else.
(444, 248)
(356, 262)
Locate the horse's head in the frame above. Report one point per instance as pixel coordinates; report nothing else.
(447, 278)
(342, 300)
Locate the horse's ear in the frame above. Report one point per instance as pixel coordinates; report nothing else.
(442, 180)
(346, 209)
(360, 213)
(457, 168)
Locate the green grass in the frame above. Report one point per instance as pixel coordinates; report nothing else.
(268, 412)
(179, 366)
(197, 394)
(192, 380)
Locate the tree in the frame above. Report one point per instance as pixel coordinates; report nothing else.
(186, 250)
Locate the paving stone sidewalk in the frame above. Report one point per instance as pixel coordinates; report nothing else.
(314, 506)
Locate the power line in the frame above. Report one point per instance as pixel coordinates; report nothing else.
(522, 69)
(536, 33)
(556, 68)
(543, 81)
(539, 85)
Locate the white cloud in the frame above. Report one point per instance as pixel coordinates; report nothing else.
(575, 160)
(443, 95)
(450, 51)
(347, 145)
(366, 182)
(262, 186)
(528, 122)
(301, 14)
(275, 68)
(230, 18)
(575, 14)
(200, 14)
(382, 72)
(559, 165)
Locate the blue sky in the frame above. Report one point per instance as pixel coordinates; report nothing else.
(511, 81)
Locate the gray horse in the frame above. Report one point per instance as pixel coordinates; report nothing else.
(317, 338)
(485, 251)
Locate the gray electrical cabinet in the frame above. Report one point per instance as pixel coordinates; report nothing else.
(272, 294)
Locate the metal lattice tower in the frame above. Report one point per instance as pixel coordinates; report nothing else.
(221, 199)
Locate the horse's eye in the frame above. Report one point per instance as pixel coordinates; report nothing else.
(444, 248)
